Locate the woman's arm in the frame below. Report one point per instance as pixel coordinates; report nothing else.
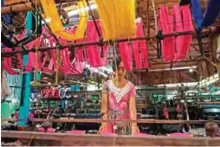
(133, 112)
(104, 110)
(104, 106)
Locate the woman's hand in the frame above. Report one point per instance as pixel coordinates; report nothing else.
(103, 126)
(135, 129)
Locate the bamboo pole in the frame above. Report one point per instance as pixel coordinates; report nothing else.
(74, 45)
(27, 6)
(16, 8)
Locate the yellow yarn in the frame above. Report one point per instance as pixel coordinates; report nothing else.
(56, 25)
(117, 18)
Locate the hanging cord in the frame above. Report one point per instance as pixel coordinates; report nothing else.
(29, 143)
(58, 62)
(58, 59)
(116, 77)
(22, 25)
(155, 16)
(46, 24)
(36, 47)
(114, 60)
(164, 81)
(132, 56)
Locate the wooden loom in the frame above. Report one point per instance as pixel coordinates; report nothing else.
(64, 139)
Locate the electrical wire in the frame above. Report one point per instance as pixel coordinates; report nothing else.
(4, 25)
(114, 60)
(22, 25)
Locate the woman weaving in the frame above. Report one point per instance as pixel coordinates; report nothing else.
(118, 103)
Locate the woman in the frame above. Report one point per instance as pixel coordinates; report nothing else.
(118, 103)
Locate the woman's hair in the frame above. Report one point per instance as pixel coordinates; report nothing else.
(116, 63)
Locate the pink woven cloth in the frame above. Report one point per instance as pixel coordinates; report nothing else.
(166, 25)
(76, 132)
(179, 135)
(140, 49)
(126, 55)
(93, 51)
(183, 19)
(49, 130)
(141, 134)
(107, 133)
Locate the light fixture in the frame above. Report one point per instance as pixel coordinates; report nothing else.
(77, 11)
(108, 70)
(190, 84)
(96, 70)
(201, 83)
(174, 68)
(209, 80)
(92, 88)
(48, 20)
(190, 70)
(14, 101)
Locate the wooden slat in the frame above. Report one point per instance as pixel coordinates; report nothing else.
(117, 140)
(142, 121)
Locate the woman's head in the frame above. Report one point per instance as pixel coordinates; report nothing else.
(118, 67)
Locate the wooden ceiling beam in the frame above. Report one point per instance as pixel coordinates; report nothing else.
(12, 2)
(17, 8)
